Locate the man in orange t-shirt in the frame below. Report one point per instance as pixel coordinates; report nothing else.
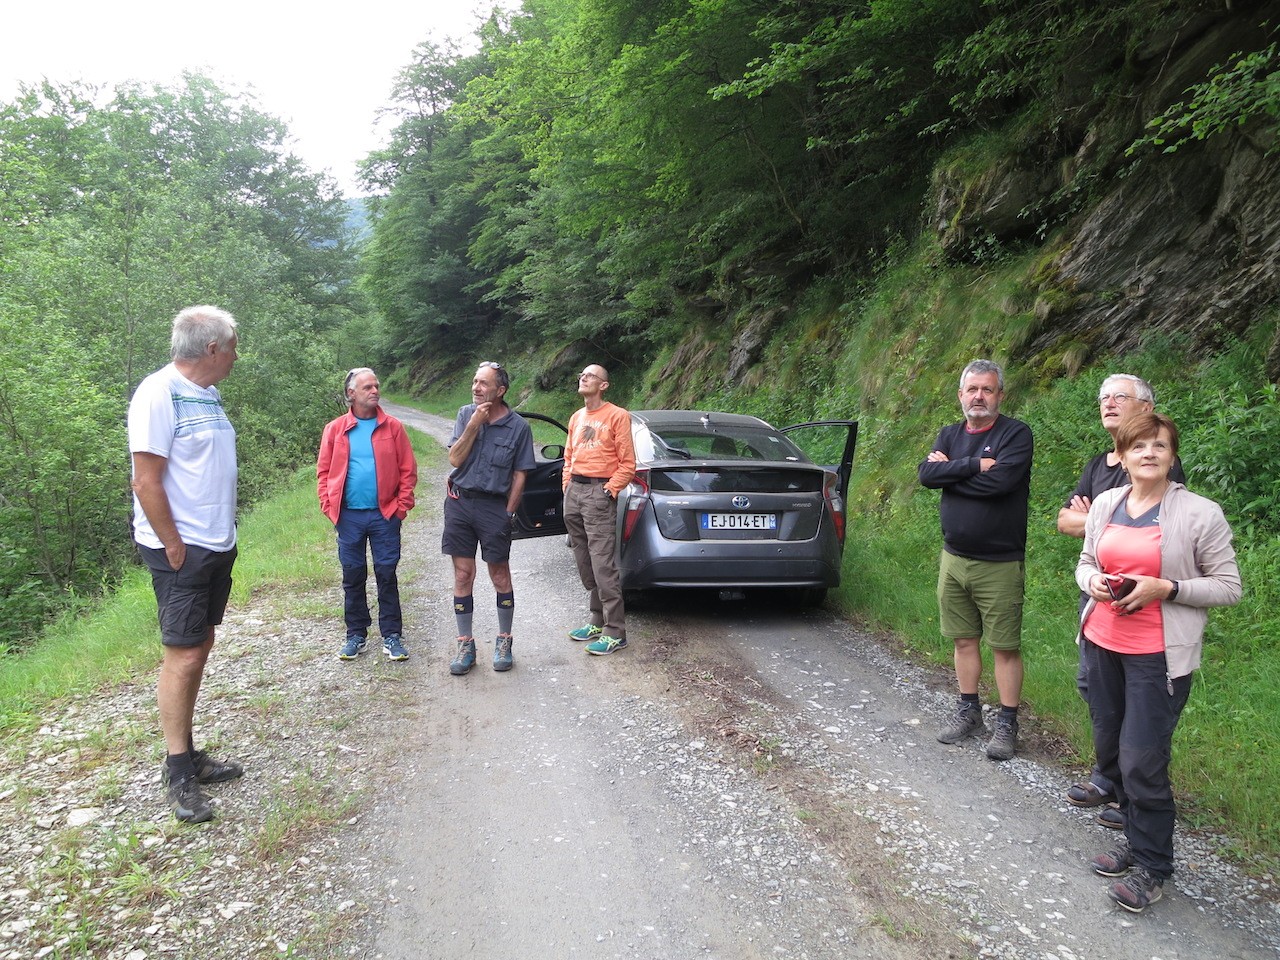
(599, 462)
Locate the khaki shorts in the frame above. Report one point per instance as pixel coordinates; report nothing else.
(981, 598)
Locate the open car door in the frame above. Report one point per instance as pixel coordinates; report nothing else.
(830, 443)
(541, 509)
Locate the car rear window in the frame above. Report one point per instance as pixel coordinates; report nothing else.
(714, 441)
(744, 479)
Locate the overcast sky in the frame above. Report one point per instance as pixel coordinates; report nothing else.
(324, 73)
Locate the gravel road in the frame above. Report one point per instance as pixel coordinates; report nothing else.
(743, 781)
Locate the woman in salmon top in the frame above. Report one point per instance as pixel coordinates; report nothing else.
(1155, 557)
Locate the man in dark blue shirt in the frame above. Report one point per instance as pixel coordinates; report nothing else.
(983, 468)
(491, 451)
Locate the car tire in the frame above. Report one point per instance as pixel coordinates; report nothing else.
(808, 598)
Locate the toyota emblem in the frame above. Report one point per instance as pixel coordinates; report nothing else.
(741, 503)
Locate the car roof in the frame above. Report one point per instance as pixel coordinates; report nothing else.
(664, 418)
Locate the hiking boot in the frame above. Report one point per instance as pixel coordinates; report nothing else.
(1116, 862)
(1137, 891)
(466, 658)
(968, 721)
(353, 647)
(393, 648)
(1004, 742)
(606, 645)
(588, 632)
(502, 658)
(209, 770)
(189, 803)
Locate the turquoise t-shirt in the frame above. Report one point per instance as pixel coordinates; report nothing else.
(360, 492)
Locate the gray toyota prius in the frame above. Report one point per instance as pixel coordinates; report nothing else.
(720, 500)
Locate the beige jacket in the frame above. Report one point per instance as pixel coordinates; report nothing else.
(1195, 550)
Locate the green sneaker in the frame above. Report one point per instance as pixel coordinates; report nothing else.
(606, 645)
(589, 632)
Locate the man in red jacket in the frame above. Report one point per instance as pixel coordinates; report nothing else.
(365, 476)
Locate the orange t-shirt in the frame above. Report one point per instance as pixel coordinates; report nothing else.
(599, 445)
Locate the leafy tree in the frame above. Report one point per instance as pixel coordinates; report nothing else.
(121, 211)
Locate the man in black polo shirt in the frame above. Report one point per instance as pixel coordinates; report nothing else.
(490, 451)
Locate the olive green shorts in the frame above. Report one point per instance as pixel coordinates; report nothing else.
(981, 598)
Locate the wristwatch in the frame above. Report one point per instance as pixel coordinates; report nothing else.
(1173, 594)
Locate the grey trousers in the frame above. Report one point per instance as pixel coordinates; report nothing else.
(590, 516)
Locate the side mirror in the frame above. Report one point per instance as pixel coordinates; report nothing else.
(553, 451)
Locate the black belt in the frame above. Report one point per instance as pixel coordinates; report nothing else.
(577, 479)
(478, 494)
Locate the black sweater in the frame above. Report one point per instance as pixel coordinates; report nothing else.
(984, 515)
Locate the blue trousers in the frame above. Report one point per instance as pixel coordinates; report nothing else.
(361, 532)
(1135, 708)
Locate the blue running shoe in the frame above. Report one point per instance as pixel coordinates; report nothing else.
(353, 647)
(393, 648)
(606, 645)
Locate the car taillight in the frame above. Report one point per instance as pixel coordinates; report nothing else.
(835, 505)
(636, 502)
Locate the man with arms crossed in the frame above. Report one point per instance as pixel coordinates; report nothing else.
(365, 475)
(982, 465)
(491, 451)
(599, 461)
(1120, 397)
(184, 521)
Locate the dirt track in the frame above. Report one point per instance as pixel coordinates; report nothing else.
(744, 781)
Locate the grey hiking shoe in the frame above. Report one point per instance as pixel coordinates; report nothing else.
(967, 722)
(1004, 742)
(466, 658)
(188, 801)
(1137, 891)
(502, 658)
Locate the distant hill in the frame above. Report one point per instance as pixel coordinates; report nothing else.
(357, 220)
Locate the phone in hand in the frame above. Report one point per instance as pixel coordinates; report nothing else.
(1119, 587)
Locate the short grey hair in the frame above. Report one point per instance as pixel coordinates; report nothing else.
(981, 367)
(196, 327)
(350, 378)
(1141, 388)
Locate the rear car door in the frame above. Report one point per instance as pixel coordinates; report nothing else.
(830, 443)
(541, 509)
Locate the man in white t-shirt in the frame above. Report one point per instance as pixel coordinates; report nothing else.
(184, 521)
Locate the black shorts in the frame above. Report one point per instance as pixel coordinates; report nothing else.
(193, 599)
(472, 520)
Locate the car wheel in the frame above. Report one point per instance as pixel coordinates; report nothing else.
(807, 598)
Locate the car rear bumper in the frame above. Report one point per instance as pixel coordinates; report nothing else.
(704, 568)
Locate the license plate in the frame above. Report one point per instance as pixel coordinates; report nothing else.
(739, 521)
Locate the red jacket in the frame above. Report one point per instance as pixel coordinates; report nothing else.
(393, 462)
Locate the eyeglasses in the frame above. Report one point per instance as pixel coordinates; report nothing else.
(491, 365)
(1120, 398)
(589, 376)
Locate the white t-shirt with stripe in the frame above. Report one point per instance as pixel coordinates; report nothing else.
(183, 422)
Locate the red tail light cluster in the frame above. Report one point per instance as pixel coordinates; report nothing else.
(835, 505)
(636, 504)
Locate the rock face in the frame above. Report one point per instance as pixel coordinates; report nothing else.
(1186, 242)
